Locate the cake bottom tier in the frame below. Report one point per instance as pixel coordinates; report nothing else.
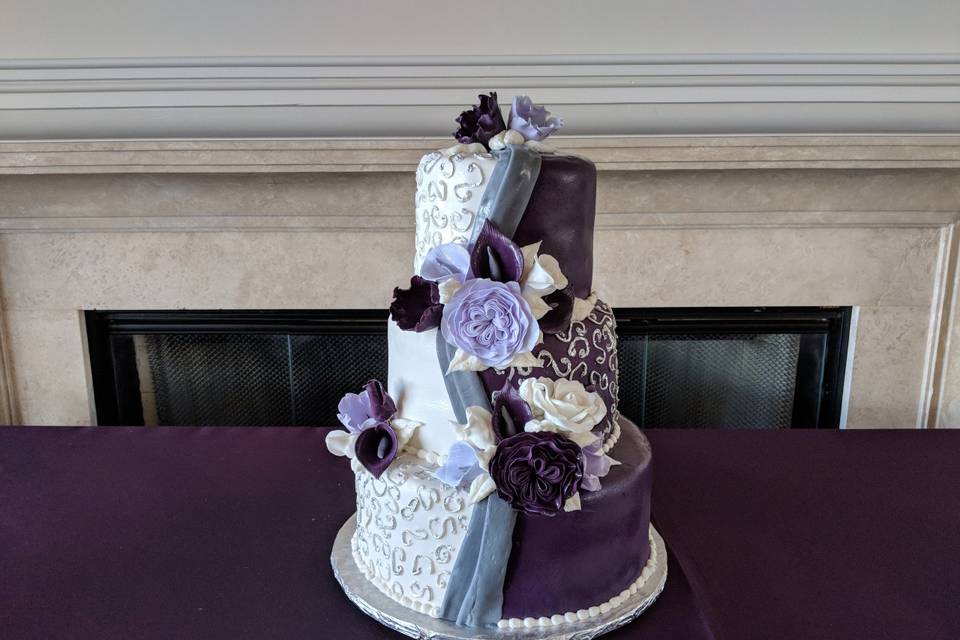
(410, 528)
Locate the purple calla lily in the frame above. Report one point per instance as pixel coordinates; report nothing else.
(376, 447)
(495, 256)
(558, 318)
(510, 412)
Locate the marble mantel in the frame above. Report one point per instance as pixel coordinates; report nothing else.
(864, 221)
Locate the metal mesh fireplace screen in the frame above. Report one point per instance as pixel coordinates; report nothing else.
(236, 379)
(697, 368)
(748, 381)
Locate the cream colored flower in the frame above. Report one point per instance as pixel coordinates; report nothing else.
(564, 406)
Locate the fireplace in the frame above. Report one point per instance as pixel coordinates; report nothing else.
(732, 367)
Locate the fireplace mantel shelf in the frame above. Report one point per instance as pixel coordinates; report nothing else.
(351, 155)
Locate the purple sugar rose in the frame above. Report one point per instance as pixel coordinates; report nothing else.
(360, 411)
(376, 447)
(537, 472)
(417, 308)
(495, 256)
(531, 120)
(446, 261)
(480, 123)
(490, 320)
(510, 412)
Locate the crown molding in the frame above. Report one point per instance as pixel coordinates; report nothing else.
(383, 96)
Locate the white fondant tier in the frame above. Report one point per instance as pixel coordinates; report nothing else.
(409, 529)
(415, 382)
(450, 184)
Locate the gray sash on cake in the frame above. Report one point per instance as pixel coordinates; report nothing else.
(474, 595)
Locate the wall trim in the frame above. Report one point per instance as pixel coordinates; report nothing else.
(420, 95)
(351, 155)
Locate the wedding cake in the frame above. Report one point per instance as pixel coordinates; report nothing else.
(497, 484)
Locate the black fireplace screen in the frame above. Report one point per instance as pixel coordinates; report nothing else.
(740, 368)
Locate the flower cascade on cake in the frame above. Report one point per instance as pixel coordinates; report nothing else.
(375, 434)
(493, 301)
(536, 449)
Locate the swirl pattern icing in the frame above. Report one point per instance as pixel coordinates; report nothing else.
(409, 529)
(450, 184)
(586, 352)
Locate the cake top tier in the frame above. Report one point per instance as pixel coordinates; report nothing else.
(452, 183)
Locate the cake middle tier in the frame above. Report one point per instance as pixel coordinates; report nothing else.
(586, 353)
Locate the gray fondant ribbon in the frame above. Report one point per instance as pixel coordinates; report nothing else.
(474, 595)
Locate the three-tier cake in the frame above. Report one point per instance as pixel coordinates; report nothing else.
(497, 484)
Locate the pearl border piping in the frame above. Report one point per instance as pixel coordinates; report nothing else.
(583, 615)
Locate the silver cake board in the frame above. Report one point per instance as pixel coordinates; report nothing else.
(392, 614)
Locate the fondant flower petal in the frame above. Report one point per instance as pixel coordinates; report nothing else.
(495, 256)
(417, 308)
(404, 429)
(460, 466)
(558, 319)
(538, 307)
(447, 288)
(532, 120)
(376, 448)
(480, 123)
(480, 488)
(446, 261)
(572, 503)
(340, 443)
(479, 428)
(380, 406)
(510, 412)
(352, 411)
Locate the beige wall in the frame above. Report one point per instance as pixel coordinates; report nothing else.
(142, 28)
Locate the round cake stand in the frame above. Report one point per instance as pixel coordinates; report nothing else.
(387, 612)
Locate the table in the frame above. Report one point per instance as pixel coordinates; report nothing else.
(210, 533)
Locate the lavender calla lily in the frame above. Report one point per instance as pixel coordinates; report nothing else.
(376, 447)
(533, 121)
(510, 412)
(417, 308)
(495, 256)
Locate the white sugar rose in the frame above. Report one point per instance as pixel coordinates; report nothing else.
(564, 406)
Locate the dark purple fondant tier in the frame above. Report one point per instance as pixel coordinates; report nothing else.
(561, 213)
(587, 353)
(583, 558)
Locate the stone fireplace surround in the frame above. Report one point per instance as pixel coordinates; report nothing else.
(864, 221)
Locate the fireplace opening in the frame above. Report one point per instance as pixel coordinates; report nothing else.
(693, 367)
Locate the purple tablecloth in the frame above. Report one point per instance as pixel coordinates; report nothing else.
(226, 533)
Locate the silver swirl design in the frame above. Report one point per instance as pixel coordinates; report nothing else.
(409, 525)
